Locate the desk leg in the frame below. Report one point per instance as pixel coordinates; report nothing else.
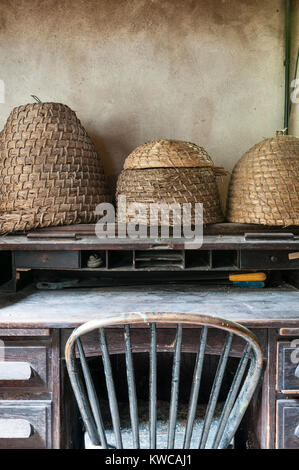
(55, 363)
(262, 409)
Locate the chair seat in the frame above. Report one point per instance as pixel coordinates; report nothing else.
(162, 427)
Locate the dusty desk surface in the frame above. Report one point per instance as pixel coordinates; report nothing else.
(269, 307)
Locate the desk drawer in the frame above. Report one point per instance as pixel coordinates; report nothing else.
(287, 424)
(271, 259)
(25, 426)
(288, 366)
(47, 259)
(24, 367)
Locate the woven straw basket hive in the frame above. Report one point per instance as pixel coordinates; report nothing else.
(264, 187)
(170, 171)
(50, 173)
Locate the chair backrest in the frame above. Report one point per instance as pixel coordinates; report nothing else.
(236, 402)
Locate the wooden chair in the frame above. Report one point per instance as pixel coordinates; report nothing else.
(209, 433)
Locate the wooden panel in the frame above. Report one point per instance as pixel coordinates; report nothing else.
(56, 389)
(91, 242)
(287, 424)
(19, 332)
(226, 228)
(36, 358)
(289, 332)
(267, 259)
(19, 417)
(288, 366)
(47, 259)
(262, 410)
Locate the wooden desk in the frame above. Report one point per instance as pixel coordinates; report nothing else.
(225, 248)
(35, 325)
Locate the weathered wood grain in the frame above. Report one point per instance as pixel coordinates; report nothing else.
(289, 332)
(227, 228)
(287, 436)
(287, 363)
(36, 414)
(5, 332)
(273, 307)
(87, 242)
(18, 382)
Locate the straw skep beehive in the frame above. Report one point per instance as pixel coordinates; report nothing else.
(171, 171)
(50, 173)
(264, 187)
(168, 154)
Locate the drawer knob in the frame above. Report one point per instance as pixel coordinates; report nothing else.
(297, 431)
(297, 371)
(15, 429)
(274, 259)
(15, 370)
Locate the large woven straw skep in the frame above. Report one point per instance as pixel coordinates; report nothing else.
(171, 171)
(264, 187)
(50, 173)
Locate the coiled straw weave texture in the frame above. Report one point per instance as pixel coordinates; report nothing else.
(264, 187)
(167, 172)
(170, 154)
(50, 173)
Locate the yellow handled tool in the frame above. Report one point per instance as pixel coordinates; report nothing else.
(248, 277)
